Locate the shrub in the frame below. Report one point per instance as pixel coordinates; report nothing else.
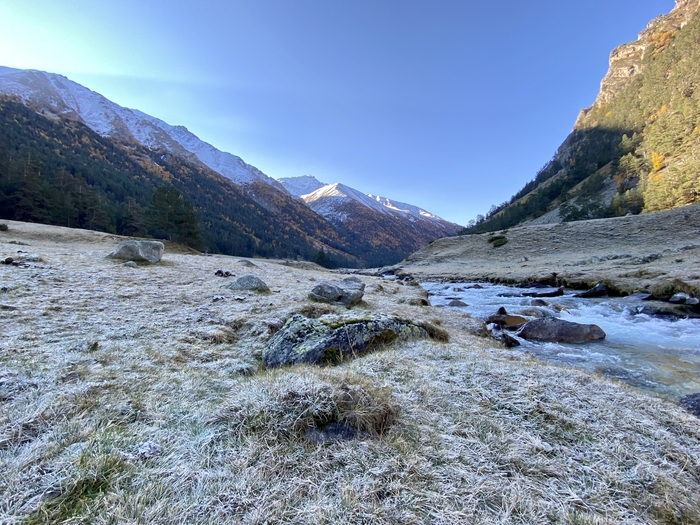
(498, 240)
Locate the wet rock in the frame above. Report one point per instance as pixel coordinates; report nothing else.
(533, 312)
(223, 273)
(599, 290)
(559, 331)
(546, 292)
(679, 298)
(8, 260)
(347, 292)
(669, 311)
(330, 341)
(457, 302)
(693, 301)
(641, 296)
(691, 403)
(539, 302)
(147, 251)
(7, 307)
(248, 282)
(507, 321)
(3, 227)
(475, 287)
(503, 337)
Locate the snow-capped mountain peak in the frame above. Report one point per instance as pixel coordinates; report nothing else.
(303, 185)
(63, 97)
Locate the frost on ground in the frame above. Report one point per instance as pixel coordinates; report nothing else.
(137, 395)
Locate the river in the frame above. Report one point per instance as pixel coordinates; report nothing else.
(646, 352)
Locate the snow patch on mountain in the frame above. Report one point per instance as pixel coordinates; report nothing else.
(61, 96)
(303, 185)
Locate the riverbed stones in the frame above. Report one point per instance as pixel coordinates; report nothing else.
(332, 340)
(555, 330)
(139, 251)
(249, 283)
(545, 292)
(347, 292)
(457, 302)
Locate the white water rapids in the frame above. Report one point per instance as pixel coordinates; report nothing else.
(646, 352)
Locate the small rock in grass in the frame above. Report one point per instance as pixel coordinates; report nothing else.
(250, 283)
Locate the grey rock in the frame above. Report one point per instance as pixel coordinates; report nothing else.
(599, 290)
(508, 340)
(539, 302)
(148, 251)
(679, 298)
(670, 311)
(693, 301)
(248, 282)
(347, 292)
(691, 403)
(550, 292)
(457, 302)
(130, 264)
(641, 296)
(559, 331)
(246, 263)
(304, 340)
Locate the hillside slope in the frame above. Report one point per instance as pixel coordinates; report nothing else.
(637, 148)
(626, 253)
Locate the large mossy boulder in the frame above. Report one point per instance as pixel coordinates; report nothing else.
(332, 340)
(555, 330)
(139, 251)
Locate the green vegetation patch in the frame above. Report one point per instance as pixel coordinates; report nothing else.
(498, 240)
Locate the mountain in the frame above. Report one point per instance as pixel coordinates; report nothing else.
(241, 210)
(636, 149)
(58, 96)
(388, 226)
(303, 185)
(327, 199)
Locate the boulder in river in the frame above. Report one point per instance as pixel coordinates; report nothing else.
(139, 251)
(507, 321)
(545, 292)
(555, 330)
(599, 290)
(347, 292)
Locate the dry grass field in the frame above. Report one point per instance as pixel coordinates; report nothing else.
(137, 395)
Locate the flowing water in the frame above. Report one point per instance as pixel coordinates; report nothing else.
(647, 352)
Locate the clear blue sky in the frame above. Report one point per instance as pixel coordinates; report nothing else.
(449, 105)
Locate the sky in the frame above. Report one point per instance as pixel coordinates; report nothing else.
(451, 105)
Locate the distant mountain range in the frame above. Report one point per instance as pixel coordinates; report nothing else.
(637, 148)
(355, 228)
